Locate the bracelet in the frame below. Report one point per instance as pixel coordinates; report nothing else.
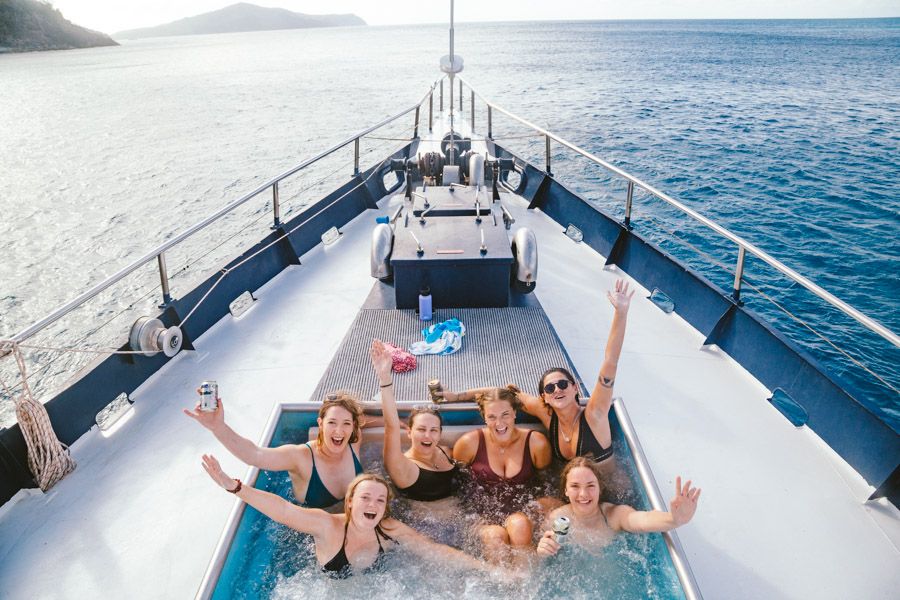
(387, 385)
(236, 489)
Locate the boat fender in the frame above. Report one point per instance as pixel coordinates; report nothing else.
(149, 336)
(523, 276)
(476, 170)
(382, 247)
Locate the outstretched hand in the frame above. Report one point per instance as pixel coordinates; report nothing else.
(212, 420)
(381, 360)
(684, 504)
(214, 470)
(620, 298)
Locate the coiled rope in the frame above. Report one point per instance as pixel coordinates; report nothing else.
(48, 458)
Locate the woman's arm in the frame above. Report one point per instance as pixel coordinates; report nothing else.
(601, 397)
(530, 404)
(308, 520)
(681, 511)
(426, 548)
(466, 447)
(283, 458)
(540, 450)
(402, 470)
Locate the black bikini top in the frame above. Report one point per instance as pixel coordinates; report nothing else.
(586, 445)
(433, 485)
(339, 566)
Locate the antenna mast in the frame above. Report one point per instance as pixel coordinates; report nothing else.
(451, 65)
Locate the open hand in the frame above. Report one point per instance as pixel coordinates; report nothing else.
(684, 504)
(214, 470)
(620, 298)
(212, 420)
(547, 545)
(381, 360)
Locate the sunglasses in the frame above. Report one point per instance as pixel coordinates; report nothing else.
(551, 387)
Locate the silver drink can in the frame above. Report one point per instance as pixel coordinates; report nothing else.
(434, 386)
(209, 396)
(561, 528)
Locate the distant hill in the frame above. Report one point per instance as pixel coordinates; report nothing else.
(29, 25)
(241, 17)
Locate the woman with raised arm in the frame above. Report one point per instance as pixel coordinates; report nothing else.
(595, 523)
(353, 542)
(504, 460)
(320, 471)
(425, 472)
(573, 430)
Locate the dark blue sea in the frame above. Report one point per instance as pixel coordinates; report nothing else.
(785, 132)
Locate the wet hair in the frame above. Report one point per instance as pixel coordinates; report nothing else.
(351, 489)
(424, 410)
(349, 403)
(544, 377)
(510, 394)
(580, 461)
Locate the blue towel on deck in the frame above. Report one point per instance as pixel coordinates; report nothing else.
(440, 338)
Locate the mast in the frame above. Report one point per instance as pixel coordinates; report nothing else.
(451, 64)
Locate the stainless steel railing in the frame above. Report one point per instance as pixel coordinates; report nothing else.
(159, 253)
(743, 246)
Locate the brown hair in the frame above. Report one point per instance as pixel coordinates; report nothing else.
(509, 394)
(346, 401)
(351, 489)
(424, 410)
(550, 372)
(580, 461)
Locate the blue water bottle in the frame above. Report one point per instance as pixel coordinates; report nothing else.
(425, 304)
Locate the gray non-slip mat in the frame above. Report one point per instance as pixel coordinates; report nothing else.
(501, 345)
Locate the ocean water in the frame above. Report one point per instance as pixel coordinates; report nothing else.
(785, 132)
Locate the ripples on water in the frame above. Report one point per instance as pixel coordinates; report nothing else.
(783, 131)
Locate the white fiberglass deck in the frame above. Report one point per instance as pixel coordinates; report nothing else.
(781, 516)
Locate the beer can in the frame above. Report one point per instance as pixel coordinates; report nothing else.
(434, 386)
(561, 528)
(209, 396)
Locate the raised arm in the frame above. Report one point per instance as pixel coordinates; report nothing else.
(601, 397)
(283, 458)
(308, 520)
(530, 404)
(681, 511)
(402, 470)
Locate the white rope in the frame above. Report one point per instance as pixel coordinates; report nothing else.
(48, 458)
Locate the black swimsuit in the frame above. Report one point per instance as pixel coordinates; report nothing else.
(433, 485)
(339, 566)
(587, 444)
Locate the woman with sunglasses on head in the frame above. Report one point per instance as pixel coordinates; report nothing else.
(594, 524)
(425, 472)
(352, 542)
(573, 430)
(504, 460)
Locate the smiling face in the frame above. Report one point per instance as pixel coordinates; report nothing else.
(558, 398)
(336, 427)
(367, 503)
(583, 491)
(425, 433)
(500, 418)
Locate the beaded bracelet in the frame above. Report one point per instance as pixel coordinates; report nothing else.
(237, 489)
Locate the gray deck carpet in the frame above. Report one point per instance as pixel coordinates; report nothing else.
(501, 345)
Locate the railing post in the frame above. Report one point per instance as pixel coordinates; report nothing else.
(163, 279)
(416, 126)
(628, 204)
(490, 124)
(738, 274)
(356, 156)
(473, 111)
(460, 97)
(430, 110)
(550, 173)
(276, 206)
(442, 95)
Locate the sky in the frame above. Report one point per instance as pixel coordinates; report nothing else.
(111, 16)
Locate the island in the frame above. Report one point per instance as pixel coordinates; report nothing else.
(28, 25)
(241, 17)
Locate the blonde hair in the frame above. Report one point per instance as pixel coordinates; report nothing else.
(509, 394)
(351, 489)
(349, 403)
(580, 461)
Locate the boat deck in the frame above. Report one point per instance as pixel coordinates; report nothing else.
(781, 515)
